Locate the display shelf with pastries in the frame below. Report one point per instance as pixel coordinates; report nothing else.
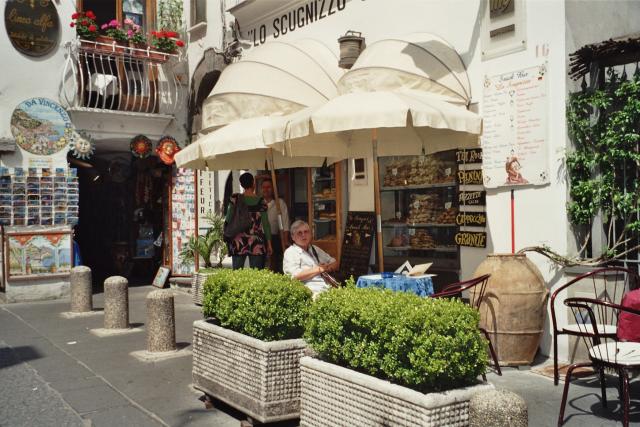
(325, 207)
(419, 207)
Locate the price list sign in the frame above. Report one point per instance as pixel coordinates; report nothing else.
(514, 141)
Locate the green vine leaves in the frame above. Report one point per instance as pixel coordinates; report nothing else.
(604, 126)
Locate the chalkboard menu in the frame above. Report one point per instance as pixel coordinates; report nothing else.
(356, 246)
(32, 26)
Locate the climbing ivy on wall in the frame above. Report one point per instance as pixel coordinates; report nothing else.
(604, 126)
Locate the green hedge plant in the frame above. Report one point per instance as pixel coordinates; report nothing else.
(264, 305)
(421, 343)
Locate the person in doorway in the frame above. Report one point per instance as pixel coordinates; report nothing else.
(279, 236)
(256, 242)
(305, 261)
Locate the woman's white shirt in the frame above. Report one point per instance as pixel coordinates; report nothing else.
(297, 259)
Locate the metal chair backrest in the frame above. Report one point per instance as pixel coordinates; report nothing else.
(478, 285)
(603, 347)
(607, 284)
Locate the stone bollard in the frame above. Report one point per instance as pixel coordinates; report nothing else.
(161, 322)
(81, 289)
(498, 408)
(116, 303)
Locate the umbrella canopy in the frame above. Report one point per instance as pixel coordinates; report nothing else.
(409, 122)
(275, 78)
(240, 145)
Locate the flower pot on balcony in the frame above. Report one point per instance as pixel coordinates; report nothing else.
(261, 379)
(157, 56)
(357, 399)
(140, 50)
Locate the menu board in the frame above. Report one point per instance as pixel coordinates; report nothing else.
(356, 245)
(514, 139)
(183, 217)
(39, 196)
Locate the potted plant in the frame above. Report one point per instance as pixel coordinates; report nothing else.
(247, 354)
(85, 25)
(137, 39)
(165, 42)
(115, 32)
(205, 246)
(390, 357)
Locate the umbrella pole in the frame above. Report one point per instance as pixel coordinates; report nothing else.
(376, 193)
(275, 197)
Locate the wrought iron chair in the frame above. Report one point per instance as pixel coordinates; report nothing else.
(607, 284)
(605, 351)
(478, 285)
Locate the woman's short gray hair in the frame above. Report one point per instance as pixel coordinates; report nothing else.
(297, 224)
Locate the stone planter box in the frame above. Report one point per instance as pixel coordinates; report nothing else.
(335, 396)
(261, 379)
(197, 285)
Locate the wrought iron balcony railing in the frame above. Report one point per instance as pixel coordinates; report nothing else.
(114, 77)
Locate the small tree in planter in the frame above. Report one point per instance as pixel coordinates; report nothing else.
(249, 355)
(211, 244)
(388, 357)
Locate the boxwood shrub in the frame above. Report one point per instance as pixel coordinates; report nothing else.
(264, 305)
(421, 343)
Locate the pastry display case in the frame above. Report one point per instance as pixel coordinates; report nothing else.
(419, 202)
(325, 206)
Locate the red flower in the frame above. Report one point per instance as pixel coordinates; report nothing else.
(85, 22)
(73, 24)
(154, 33)
(92, 28)
(179, 43)
(90, 14)
(172, 34)
(75, 15)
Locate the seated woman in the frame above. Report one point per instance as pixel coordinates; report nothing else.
(306, 262)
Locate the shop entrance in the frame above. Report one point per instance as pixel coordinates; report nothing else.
(122, 204)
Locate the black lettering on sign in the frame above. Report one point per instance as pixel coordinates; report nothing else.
(358, 238)
(470, 177)
(472, 198)
(471, 239)
(469, 156)
(471, 219)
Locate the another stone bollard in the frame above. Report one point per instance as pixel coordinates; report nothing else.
(498, 408)
(161, 322)
(116, 303)
(81, 289)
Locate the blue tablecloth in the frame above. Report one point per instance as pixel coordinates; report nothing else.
(422, 285)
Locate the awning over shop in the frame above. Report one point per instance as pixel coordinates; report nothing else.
(418, 62)
(276, 78)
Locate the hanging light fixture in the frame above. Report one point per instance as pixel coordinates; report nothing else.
(351, 45)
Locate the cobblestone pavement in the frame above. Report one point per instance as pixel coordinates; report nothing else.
(53, 371)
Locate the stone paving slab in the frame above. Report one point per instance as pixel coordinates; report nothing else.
(26, 399)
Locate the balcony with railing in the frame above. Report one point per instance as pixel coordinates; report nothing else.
(117, 80)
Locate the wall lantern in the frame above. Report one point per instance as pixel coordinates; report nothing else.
(351, 44)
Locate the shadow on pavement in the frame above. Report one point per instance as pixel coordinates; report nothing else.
(10, 356)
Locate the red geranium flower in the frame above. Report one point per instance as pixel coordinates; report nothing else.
(92, 28)
(73, 24)
(180, 43)
(75, 15)
(84, 22)
(90, 14)
(172, 34)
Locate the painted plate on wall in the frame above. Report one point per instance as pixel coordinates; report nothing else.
(41, 126)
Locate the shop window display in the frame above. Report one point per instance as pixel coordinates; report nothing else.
(419, 206)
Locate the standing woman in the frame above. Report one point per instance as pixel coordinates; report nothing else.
(256, 242)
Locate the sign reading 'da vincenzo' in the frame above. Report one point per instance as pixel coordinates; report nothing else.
(514, 140)
(32, 26)
(503, 28)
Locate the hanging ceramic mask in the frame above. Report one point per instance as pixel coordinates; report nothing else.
(166, 149)
(141, 146)
(80, 145)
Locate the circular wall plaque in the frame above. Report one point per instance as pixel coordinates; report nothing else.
(32, 26)
(41, 126)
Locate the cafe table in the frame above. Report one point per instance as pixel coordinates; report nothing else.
(419, 285)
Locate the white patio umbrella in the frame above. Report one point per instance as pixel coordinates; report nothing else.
(420, 108)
